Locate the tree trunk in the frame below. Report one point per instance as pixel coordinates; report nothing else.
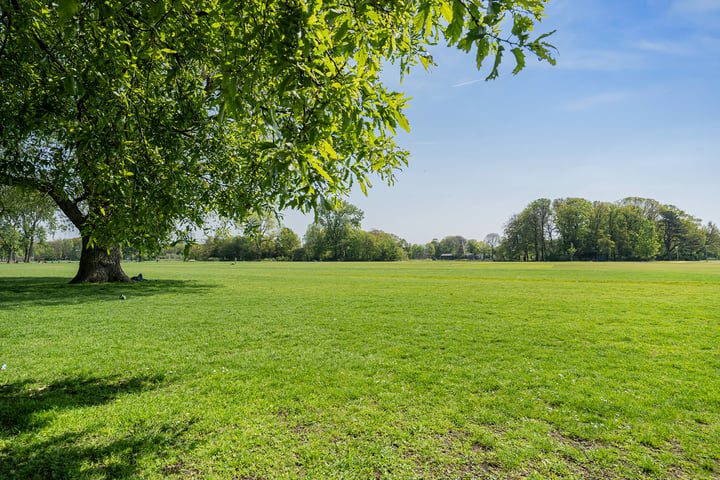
(99, 264)
(28, 254)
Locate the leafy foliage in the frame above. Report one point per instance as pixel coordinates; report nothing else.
(140, 119)
(631, 229)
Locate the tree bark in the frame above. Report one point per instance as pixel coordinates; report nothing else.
(99, 264)
(28, 254)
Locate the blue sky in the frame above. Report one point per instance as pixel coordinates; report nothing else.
(631, 109)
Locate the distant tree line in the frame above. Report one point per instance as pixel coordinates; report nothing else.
(334, 236)
(546, 230)
(630, 229)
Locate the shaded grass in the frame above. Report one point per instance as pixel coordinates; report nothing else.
(405, 370)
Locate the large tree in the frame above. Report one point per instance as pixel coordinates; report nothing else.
(672, 229)
(336, 222)
(455, 245)
(141, 119)
(539, 214)
(261, 228)
(29, 213)
(712, 240)
(634, 232)
(493, 241)
(572, 222)
(286, 242)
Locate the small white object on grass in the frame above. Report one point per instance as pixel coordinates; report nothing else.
(4, 366)
(122, 297)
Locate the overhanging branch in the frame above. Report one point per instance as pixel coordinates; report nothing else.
(68, 207)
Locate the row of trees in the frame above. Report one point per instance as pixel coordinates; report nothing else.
(456, 247)
(562, 229)
(335, 235)
(26, 217)
(630, 229)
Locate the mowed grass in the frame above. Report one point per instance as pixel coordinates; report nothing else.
(427, 370)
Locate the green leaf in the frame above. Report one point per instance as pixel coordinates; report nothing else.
(361, 57)
(455, 29)
(317, 166)
(420, 20)
(519, 59)
(402, 121)
(446, 10)
(498, 59)
(327, 150)
(341, 32)
(67, 9)
(545, 35)
(483, 49)
(157, 8)
(426, 61)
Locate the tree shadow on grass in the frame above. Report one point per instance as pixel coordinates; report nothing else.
(27, 453)
(49, 291)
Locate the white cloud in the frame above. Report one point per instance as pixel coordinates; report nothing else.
(700, 13)
(600, 60)
(593, 101)
(671, 48)
(696, 6)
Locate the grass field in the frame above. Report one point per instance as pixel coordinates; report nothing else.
(426, 370)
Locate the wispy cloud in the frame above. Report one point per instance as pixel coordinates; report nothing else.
(671, 48)
(468, 82)
(601, 99)
(702, 13)
(696, 6)
(600, 60)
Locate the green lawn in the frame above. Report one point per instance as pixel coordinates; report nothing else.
(426, 370)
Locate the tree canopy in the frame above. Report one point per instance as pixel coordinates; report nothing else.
(632, 229)
(141, 119)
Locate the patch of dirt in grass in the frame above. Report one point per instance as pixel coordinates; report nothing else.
(586, 467)
(590, 469)
(442, 468)
(299, 429)
(575, 442)
(179, 468)
(459, 455)
(479, 447)
(455, 456)
(676, 448)
(173, 469)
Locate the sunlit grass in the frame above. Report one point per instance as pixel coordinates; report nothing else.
(322, 370)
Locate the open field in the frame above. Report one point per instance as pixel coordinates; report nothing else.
(405, 370)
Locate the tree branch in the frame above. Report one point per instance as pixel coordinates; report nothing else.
(68, 207)
(43, 46)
